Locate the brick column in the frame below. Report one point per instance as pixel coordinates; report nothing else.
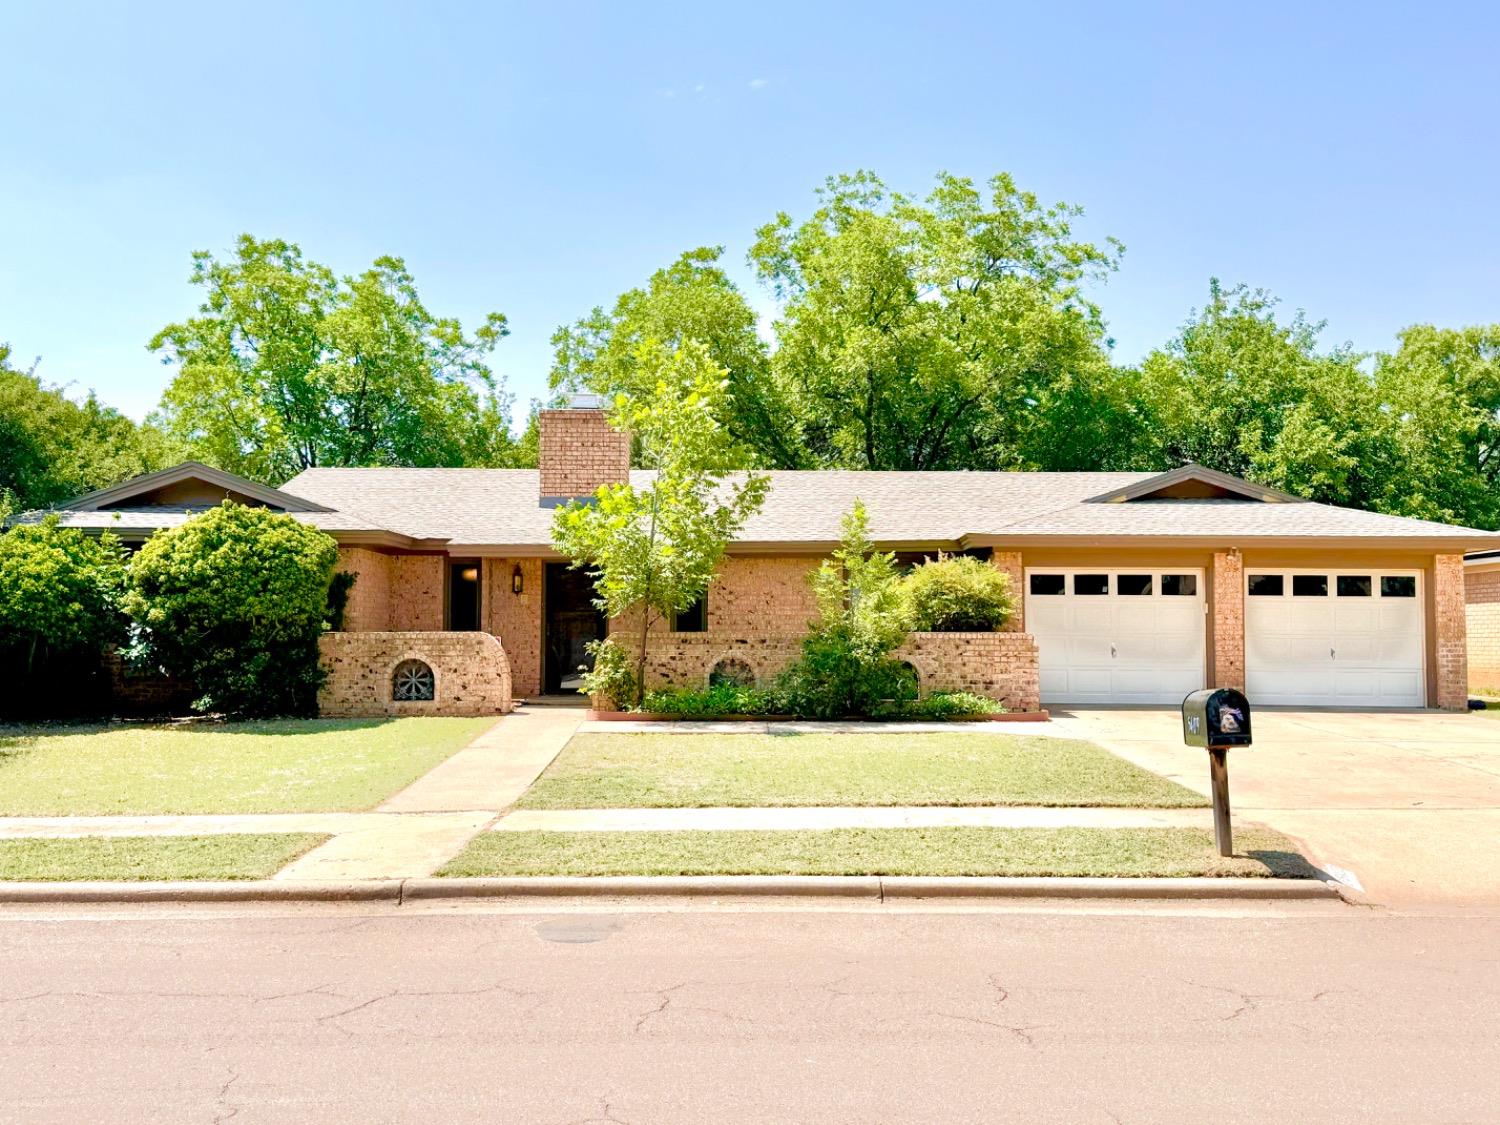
(1450, 633)
(1010, 563)
(1229, 620)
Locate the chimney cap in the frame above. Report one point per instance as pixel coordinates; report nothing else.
(580, 400)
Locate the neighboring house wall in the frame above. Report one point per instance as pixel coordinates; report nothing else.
(516, 619)
(471, 674)
(1482, 595)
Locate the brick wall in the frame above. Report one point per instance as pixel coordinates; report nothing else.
(516, 619)
(1450, 644)
(472, 675)
(578, 451)
(416, 593)
(1010, 563)
(369, 606)
(1228, 586)
(1482, 594)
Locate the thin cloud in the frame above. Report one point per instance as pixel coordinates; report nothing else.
(759, 83)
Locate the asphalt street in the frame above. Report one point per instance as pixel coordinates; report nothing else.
(762, 1013)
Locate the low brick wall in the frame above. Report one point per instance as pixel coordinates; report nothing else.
(470, 672)
(1002, 666)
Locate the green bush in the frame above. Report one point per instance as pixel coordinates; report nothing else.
(721, 699)
(942, 705)
(612, 679)
(958, 594)
(233, 602)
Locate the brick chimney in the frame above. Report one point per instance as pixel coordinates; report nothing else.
(578, 450)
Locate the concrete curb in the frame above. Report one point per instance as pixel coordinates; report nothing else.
(874, 888)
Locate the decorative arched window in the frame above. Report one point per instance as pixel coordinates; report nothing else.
(412, 681)
(732, 671)
(909, 685)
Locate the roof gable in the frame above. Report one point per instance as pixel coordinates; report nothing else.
(1195, 482)
(190, 484)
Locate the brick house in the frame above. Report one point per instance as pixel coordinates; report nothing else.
(1482, 594)
(1132, 587)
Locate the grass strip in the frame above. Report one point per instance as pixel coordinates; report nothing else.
(291, 765)
(1127, 852)
(878, 768)
(152, 858)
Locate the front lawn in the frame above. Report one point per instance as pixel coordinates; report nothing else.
(1132, 852)
(878, 768)
(289, 765)
(152, 858)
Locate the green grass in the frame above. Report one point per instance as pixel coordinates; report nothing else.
(879, 768)
(140, 858)
(881, 851)
(307, 765)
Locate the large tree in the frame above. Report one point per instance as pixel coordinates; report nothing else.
(52, 448)
(943, 333)
(1441, 393)
(288, 366)
(1242, 392)
(692, 299)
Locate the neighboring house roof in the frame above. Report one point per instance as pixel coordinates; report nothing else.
(500, 511)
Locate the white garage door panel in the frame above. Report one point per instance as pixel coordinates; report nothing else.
(1332, 651)
(1118, 648)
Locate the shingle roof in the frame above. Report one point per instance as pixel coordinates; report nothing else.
(499, 507)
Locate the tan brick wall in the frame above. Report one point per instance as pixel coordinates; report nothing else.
(516, 619)
(1002, 666)
(1010, 562)
(578, 451)
(1450, 642)
(1482, 595)
(416, 593)
(369, 606)
(472, 676)
(1227, 585)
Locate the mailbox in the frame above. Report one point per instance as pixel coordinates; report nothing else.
(1216, 717)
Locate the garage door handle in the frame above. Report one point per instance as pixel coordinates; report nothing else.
(1112, 651)
(1332, 655)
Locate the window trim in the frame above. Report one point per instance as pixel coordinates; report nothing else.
(1198, 573)
(1373, 573)
(702, 606)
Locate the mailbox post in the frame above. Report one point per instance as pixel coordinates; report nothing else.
(1216, 719)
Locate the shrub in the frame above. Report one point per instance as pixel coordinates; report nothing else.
(338, 599)
(612, 679)
(721, 699)
(943, 705)
(233, 602)
(958, 594)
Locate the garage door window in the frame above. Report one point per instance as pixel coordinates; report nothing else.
(1179, 585)
(1049, 585)
(1133, 585)
(1265, 586)
(1090, 585)
(1309, 585)
(1398, 586)
(1355, 586)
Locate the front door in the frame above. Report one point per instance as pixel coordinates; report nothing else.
(572, 622)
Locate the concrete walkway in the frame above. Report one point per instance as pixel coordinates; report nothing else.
(787, 819)
(1040, 727)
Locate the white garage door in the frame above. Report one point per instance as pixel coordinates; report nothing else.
(1117, 636)
(1334, 638)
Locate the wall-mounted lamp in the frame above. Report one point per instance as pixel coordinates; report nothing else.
(517, 582)
(469, 574)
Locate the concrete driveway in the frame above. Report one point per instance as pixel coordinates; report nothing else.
(1408, 801)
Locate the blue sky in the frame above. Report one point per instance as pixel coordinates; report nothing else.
(539, 160)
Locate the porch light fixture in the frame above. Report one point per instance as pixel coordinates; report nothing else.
(516, 581)
(469, 574)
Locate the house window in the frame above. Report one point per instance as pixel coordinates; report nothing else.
(463, 596)
(1133, 585)
(1309, 585)
(1179, 585)
(1050, 585)
(1354, 586)
(735, 673)
(1398, 585)
(1266, 586)
(1090, 585)
(694, 619)
(413, 682)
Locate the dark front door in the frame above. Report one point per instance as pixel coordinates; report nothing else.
(572, 622)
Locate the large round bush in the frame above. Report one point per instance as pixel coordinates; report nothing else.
(958, 594)
(233, 602)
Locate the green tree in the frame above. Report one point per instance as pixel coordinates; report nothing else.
(288, 366)
(942, 333)
(1243, 393)
(60, 594)
(654, 550)
(846, 667)
(692, 299)
(233, 601)
(1441, 392)
(52, 448)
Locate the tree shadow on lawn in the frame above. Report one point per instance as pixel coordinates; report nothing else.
(18, 736)
(1287, 865)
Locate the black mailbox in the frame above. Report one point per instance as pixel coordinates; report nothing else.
(1216, 717)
